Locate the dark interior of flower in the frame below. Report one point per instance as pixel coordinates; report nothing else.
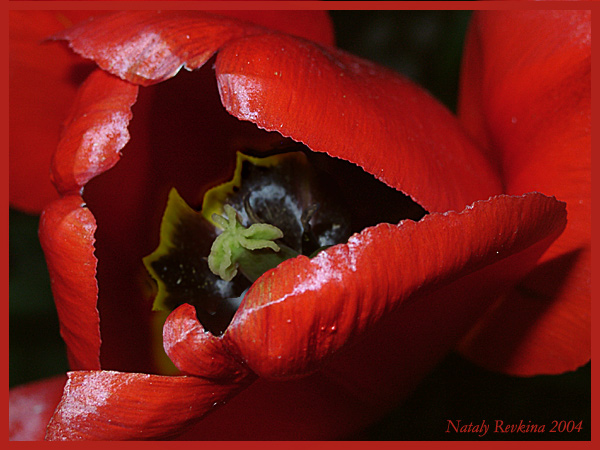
(275, 207)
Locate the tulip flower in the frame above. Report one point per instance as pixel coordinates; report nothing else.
(446, 219)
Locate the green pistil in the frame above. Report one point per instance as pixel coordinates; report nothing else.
(251, 250)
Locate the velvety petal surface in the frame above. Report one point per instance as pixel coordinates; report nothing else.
(196, 351)
(67, 236)
(43, 81)
(31, 406)
(105, 405)
(526, 97)
(331, 101)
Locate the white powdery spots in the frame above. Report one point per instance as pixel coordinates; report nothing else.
(84, 399)
(270, 190)
(151, 53)
(224, 288)
(355, 242)
(112, 132)
(329, 236)
(243, 92)
(190, 329)
(324, 272)
(276, 193)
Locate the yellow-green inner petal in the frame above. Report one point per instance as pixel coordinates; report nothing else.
(176, 214)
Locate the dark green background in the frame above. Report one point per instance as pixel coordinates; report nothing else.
(426, 46)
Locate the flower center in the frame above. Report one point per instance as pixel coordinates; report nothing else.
(273, 209)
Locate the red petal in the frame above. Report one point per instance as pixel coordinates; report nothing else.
(526, 95)
(95, 131)
(317, 407)
(297, 315)
(331, 101)
(313, 25)
(145, 47)
(351, 109)
(30, 407)
(43, 82)
(196, 351)
(94, 135)
(67, 236)
(103, 405)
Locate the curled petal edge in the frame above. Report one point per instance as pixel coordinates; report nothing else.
(94, 133)
(66, 233)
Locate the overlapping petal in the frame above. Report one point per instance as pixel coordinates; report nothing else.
(196, 351)
(106, 405)
(331, 101)
(351, 109)
(526, 97)
(146, 47)
(67, 236)
(95, 132)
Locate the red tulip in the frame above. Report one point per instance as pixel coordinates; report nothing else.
(324, 345)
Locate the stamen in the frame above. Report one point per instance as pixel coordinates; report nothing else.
(251, 250)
